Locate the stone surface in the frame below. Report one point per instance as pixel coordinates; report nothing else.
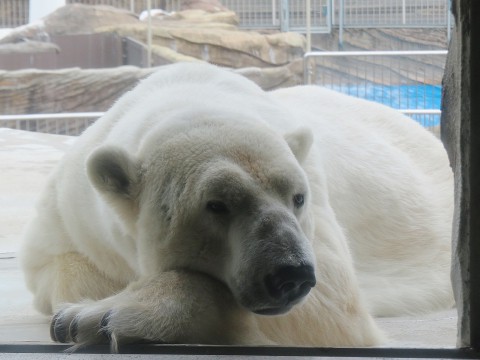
(81, 90)
(205, 31)
(217, 42)
(275, 77)
(28, 47)
(461, 134)
(71, 19)
(67, 90)
(198, 17)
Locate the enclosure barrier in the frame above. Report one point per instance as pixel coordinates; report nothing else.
(73, 124)
(286, 15)
(60, 124)
(409, 81)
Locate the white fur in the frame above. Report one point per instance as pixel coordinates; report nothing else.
(122, 230)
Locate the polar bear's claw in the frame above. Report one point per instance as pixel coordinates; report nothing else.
(80, 324)
(55, 333)
(61, 330)
(73, 329)
(104, 329)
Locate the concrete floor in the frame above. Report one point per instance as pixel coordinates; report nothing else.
(25, 160)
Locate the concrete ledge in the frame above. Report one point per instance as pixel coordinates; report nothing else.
(221, 352)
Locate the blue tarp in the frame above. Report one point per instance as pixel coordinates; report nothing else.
(400, 97)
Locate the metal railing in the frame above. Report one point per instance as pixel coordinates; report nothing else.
(135, 6)
(391, 13)
(409, 81)
(13, 13)
(73, 124)
(60, 124)
(287, 15)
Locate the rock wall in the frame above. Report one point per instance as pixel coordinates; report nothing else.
(188, 34)
(92, 90)
(461, 135)
(271, 59)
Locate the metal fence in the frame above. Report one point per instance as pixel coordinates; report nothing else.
(406, 80)
(287, 15)
(60, 124)
(409, 81)
(319, 15)
(136, 6)
(13, 13)
(291, 14)
(391, 13)
(256, 14)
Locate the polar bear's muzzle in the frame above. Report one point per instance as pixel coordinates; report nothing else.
(272, 267)
(288, 285)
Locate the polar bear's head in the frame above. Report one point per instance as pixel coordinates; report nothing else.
(229, 201)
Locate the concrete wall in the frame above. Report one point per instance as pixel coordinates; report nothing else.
(87, 51)
(461, 135)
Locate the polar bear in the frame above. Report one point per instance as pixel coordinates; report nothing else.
(201, 209)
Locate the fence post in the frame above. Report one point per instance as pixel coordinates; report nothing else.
(340, 24)
(308, 25)
(284, 16)
(449, 15)
(333, 11)
(274, 12)
(330, 12)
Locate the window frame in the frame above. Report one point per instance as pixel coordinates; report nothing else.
(462, 138)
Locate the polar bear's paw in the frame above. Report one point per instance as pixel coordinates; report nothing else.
(172, 307)
(98, 322)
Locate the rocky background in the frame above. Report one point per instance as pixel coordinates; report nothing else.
(203, 30)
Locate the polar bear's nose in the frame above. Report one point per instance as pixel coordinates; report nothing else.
(290, 283)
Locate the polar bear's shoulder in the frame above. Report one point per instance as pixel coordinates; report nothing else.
(192, 74)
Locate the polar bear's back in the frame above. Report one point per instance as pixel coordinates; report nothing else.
(391, 188)
(359, 131)
(327, 111)
(145, 106)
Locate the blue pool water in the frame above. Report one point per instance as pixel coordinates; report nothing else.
(401, 97)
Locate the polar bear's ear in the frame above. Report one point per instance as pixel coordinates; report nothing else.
(300, 141)
(113, 173)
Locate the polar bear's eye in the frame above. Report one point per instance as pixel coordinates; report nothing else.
(217, 207)
(298, 200)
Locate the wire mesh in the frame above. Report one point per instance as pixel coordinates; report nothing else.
(392, 13)
(409, 81)
(136, 6)
(256, 13)
(61, 124)
(269, 14)
(13, 13)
